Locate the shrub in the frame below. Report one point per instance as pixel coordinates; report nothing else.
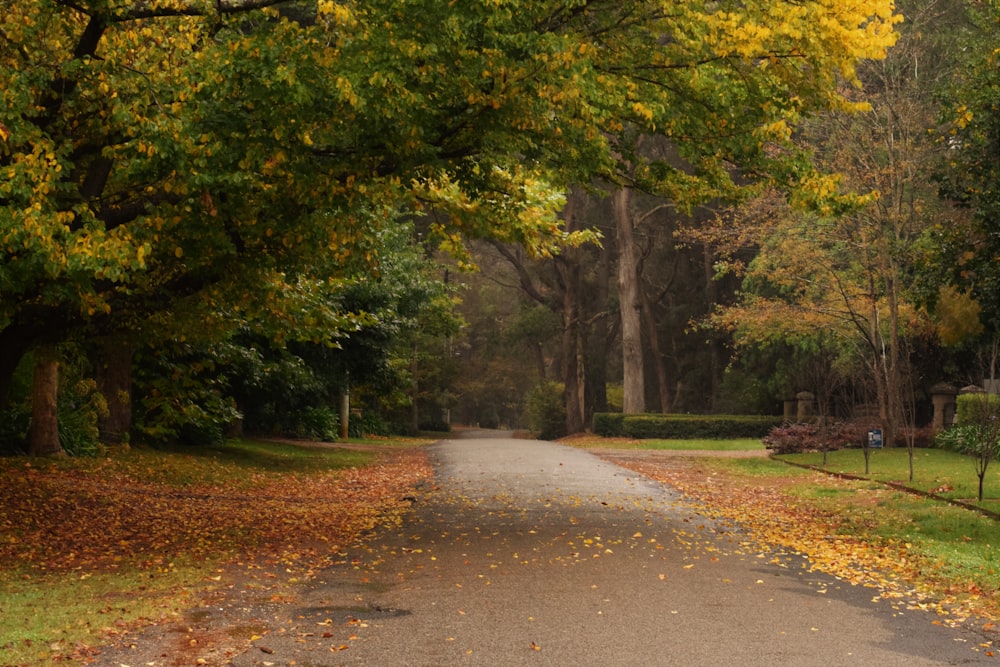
(80, 407)
(798, 438)
(923, 437)
(435, 426)
(14, 424)
(681, 427)
(976, 408)
(319, 422)
(609, 424)
(367, 423)
(976, 433)
(545, 411)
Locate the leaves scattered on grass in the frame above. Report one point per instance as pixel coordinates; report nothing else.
(782, 527)
(195, 523)
(94, 520)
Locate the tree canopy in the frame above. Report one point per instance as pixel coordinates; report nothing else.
(158, 151)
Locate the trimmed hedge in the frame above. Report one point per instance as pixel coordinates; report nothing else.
(609, 424)
(683, 427)
(976, 408)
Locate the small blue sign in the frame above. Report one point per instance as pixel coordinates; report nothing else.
(875, 438)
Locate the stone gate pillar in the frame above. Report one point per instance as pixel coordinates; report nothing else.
(791, 407)
(806, 405)
(943, 399)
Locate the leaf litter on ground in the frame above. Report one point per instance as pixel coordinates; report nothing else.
(785, 528)
(73, 520)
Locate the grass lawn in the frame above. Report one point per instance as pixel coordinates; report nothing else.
(92, 547)
(945, 473)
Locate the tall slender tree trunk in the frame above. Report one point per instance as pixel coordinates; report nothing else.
(659, 363)
(714, 353)
(634, 400)
(113, 374)
(571, 340)
(882, 367)
(572, 368)
(345, 412)
(597, 341)
(43, 436)
(414, 401)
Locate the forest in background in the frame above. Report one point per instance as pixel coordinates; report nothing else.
(263, 215)
(745, 305)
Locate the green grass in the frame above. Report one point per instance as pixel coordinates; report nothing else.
(945, 473)
(959, 545)
(959, 548)
(48, 614)
(43, 614)
(279, 457)
(193, 465)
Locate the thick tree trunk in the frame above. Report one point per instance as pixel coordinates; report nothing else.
(113, 374)
(634, 401)
(43, 436)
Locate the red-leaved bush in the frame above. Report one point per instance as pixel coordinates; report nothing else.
(798, 438)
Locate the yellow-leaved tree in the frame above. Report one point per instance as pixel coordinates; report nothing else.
(188, 156)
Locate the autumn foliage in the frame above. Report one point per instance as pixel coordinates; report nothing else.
(783, 527)
(138, 513)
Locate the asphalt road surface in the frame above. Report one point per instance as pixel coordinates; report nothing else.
(532, 553)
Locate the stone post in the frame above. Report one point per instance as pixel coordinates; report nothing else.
(806, 406)
(943, 399)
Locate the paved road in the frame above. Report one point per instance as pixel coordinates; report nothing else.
(530, 553)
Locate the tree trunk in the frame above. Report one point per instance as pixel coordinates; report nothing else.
(573, 392)
(634, 401)
(414, 403)
(113, 374)
(43, 436)
(659, 363)
(714, 353)
(345, 413)
(539, 351)
(572, 367)
(598, 335)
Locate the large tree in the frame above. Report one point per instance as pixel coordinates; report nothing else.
(851, 277)
(155, 151)
(970, 175)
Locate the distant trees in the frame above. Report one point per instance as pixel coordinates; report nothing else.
(854, 275)
(969, 177)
